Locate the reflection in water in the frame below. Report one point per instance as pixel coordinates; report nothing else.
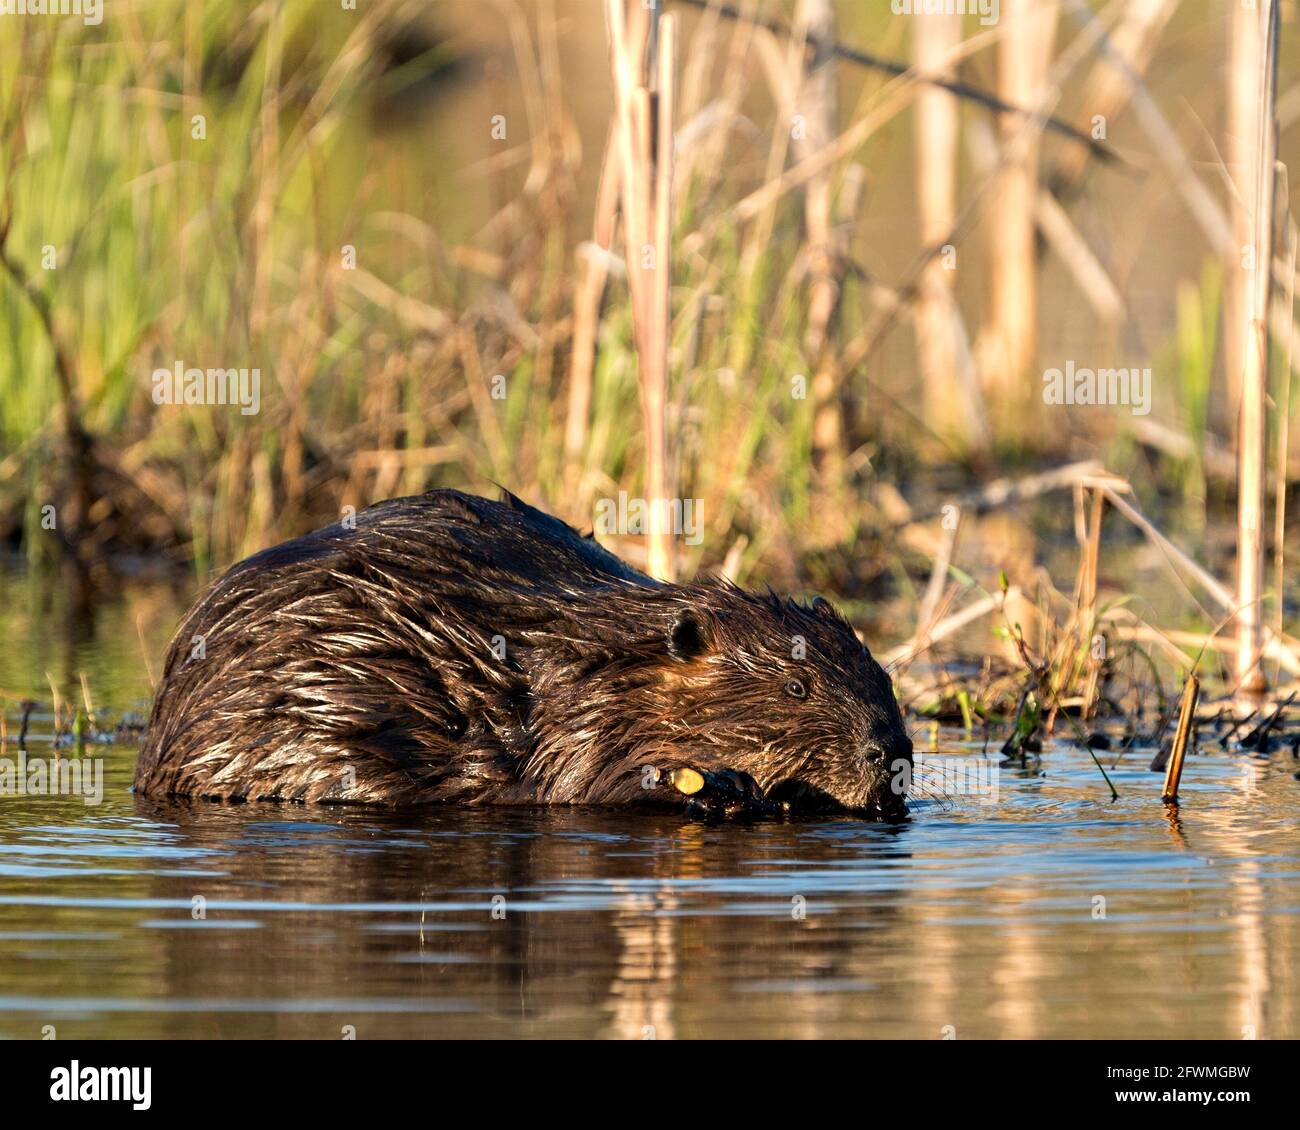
(1052, 913)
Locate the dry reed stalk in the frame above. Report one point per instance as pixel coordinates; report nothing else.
(532, 85)
(411, 311)
(1069, 244)
(85, 697)
(662, 548)
(696, 73)
(1170, 640)
(1166, 641)
(898, 69)
(928, 610)
(1186, 715)
(561, 157)
(56, 702)
(1003, 492)
(906, 652)
(144, 651)
(435, 456)
(1088, 527)
(731, 564)
(1252, 423)
(1209, 215)
(1275, 647)
(1091, 275)
(1111, 81)
(1009, 344)
(814, 100)
(865, 344)
(549, 72)
(644, 126)
(262, 252)
(1245, 66)
(1218, 461)
(1168, 149)
(939, 332)
(802, 84)
(817, 105)
(782, 69)
(593, 272)
(1284, 402)
(892, 98)
(710, 158)
(489, 426)
(1174, 556)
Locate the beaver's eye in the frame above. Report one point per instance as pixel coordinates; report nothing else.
(795, 689)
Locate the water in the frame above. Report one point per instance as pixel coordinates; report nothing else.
(132, 918)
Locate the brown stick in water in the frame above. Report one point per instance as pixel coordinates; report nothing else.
(1174, 770)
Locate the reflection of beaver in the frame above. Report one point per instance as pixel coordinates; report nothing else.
(564, 923)
(447, 648)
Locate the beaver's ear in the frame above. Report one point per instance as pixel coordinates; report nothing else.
(827, 611)
(688, 638)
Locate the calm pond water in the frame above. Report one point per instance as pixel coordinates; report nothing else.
(1046, 910)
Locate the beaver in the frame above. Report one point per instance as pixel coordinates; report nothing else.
(448, 648)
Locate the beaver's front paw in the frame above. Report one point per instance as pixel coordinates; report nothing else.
(728, 792)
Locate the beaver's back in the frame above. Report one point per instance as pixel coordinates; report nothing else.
(368, 645)
(459, 537)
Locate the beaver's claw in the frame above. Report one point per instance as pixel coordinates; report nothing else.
(728, 792)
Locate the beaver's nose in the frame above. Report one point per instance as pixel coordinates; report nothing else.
(886, 751)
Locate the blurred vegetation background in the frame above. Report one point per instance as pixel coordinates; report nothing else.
(388, 210)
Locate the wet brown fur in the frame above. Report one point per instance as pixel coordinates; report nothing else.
(450, 648)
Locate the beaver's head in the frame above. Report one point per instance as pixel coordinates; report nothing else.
(711, 677)
(786, 693)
